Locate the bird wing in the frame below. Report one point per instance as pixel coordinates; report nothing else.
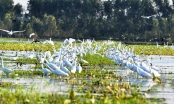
(18, 31)
(31, 34)
(146, 17)
(5, 30)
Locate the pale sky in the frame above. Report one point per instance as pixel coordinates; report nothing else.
(23, 2)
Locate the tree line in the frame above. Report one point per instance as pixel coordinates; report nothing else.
(129, 20)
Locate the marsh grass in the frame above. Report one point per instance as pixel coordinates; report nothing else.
(95, 85)
(19, 95)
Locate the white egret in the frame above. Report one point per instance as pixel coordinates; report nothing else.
(154, 67)
(45, 70)
(83, 61)
(55, 69)
(31, 34)
(42, 58)
(67, 62)
(157, 45)
(137, 69)
(30, 55)
(73, 67)
(63, 68)
(79, 68)
(141, 72)
(145, 67)
(48, 42)
(150, 69)
(130, 66)
(11, 32)
(147, 17)
(58, 72)
(69, 41)
(7, 71)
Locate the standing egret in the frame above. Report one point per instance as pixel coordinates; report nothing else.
(67, 62)
(7, 71)
(79, 68)
(69, 41)
(154, 67)
(63, 68)
(141, 72)
(55, 69)
(137, 69)
(48, 42)
(157, 45)
(45, 70)
(74, 66)
(11, 32)
(58, 72)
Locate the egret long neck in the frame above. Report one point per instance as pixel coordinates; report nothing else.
(2, 63)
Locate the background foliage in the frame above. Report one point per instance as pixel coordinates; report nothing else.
(119, 19)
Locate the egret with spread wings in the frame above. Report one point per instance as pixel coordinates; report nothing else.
(11, 32)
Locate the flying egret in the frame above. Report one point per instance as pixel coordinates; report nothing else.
(31, 34)
(147, 17)
(11, 32)
(7, 71)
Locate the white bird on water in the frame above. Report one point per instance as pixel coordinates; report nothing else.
(7, 71)
(45, 70)
(11, 32)
(55, 69)
(48, 42)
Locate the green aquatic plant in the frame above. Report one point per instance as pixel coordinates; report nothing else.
(97, 60)
(95, 84)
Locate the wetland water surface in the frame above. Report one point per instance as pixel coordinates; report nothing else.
(164, 91)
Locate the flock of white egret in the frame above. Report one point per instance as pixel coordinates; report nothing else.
(64, 60)
(127, 58)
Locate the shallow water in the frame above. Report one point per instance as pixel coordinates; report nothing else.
(164, 91)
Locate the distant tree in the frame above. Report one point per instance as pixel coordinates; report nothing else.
(49, 25)
(18, 9)
(28, 30)
(8, 22)
(6, 6)
(37, 26)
